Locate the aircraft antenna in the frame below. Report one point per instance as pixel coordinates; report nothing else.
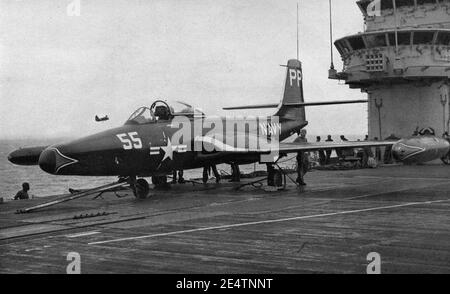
(331, 36)
(298, 53)
(394, 4)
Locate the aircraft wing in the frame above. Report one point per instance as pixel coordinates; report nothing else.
(297, 147)
(300, 104)
(221, 146)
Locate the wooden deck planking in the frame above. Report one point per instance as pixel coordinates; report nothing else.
(411, 239)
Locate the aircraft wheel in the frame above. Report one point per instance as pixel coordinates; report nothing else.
(278, 179)
(141, 189)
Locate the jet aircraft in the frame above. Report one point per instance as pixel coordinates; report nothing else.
(145, 145)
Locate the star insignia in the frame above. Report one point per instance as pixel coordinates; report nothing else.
(168, 150)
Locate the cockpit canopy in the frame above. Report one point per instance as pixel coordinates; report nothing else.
(141, 116)
(160, 110)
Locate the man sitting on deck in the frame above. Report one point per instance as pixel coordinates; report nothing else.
(23, 194)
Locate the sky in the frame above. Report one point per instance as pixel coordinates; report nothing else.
(58, 69)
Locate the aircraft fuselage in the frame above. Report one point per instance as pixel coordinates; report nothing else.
(147, 149)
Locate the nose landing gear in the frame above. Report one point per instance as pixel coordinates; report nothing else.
(141, 189)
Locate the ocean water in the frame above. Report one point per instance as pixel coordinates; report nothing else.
(43, 184)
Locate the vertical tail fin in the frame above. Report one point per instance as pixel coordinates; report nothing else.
(293, 94)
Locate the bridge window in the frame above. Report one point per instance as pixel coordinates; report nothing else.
(346, 47)
(425, 38)
(376, 41)
(401, 3)
(386, 4)
(422, 2)
(357, 43)
(404, 38)
(342, 47)
(443, 38)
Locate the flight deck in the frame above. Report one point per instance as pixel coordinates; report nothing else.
(330, 226)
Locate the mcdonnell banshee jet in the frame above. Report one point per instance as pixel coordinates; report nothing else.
(155, 141)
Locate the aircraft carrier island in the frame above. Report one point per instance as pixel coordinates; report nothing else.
(402, 61)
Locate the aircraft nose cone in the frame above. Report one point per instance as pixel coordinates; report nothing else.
(47, 161)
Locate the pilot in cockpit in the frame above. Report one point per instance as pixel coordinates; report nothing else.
(163, 112)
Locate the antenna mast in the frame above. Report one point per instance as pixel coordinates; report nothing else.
(332, 73)
(331, 37)
(297, 35)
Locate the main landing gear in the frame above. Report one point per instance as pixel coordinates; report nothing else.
(276, 179)
(141, 187)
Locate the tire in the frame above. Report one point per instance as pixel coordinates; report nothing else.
(142, 189)
(278, 179)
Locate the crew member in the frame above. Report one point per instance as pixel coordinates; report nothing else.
(388, 159)
(207, 171)
(270, 175)
(322, 157)
(377, 151)
(215, 172)
(342, 152)
(302, 159)
(367, 153)
(180, 177)
(23, 194)
(329, 151)
(446, 158)
(235, 172)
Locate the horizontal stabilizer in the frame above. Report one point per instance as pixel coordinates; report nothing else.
(300, 104)
(261, 106)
